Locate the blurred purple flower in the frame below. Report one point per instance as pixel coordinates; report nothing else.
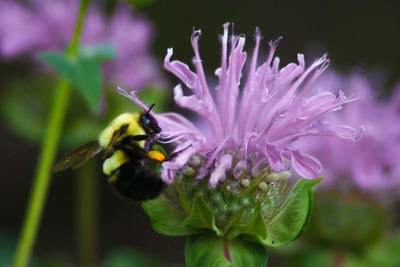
(373, 162)
(42, 25)
(248, 136)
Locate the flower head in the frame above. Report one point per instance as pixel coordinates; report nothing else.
(230, 173)
(250, 130)
(41, 25)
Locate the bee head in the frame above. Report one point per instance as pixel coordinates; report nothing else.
(148, 123)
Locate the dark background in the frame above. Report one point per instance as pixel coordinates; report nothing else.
(353, 33)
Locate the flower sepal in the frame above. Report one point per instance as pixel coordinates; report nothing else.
(253, 230)
(289, 222)
(201, 217)
(178, 212)
(166, 218)
(286, 225)
(169, 218)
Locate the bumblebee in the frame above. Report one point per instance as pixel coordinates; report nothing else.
(130, 167)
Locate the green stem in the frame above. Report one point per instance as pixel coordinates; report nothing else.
(86, 219)
(74, 45)
(48, 151)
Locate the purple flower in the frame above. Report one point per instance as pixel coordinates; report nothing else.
(252, 129)
(372, 163)
(41, 25)
(134, 66)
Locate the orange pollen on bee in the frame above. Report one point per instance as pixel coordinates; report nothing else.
(156, 155)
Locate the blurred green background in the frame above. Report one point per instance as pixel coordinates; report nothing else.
(354, 34)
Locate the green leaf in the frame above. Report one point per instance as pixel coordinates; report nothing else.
(208, 250)
(290, 220)
(183, 200)
(165, 217)
(245, 253)
(201, 217)
(255, 227)
(82, 72)
(99, 52)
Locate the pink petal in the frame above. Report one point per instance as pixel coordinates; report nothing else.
(190, 102)
(306, 165)
(225, 163)
(180, 70)
(274, 157)
(169, 168)
(342, 131)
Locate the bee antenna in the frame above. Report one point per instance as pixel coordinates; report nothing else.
(152, 105)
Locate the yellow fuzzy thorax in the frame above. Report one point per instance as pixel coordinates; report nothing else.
(114, 162)
(134, 128)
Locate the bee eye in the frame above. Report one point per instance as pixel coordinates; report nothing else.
(144, 120)
(149, 124)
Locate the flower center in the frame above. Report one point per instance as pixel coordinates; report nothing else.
(246, 188)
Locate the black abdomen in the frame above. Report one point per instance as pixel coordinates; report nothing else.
(138, 182)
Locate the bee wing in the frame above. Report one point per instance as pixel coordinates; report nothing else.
(78, 157)
(115, 137)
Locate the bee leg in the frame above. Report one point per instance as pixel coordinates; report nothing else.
(173, 155)
(149, 142)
